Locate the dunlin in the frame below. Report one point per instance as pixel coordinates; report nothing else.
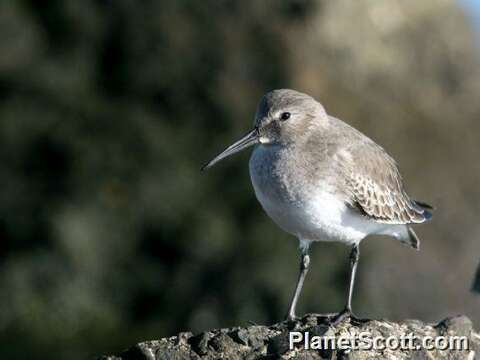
(320, 179)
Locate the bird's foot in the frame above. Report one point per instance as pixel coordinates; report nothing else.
(347, 314)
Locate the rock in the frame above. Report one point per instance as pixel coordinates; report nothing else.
(261, 342)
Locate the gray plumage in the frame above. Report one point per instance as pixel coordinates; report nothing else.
(314, 150)
(320, 179)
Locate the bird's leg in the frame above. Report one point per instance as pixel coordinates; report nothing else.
(304, 264)
(347, 311)
(354, 257)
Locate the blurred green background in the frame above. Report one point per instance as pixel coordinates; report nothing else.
(109, 232)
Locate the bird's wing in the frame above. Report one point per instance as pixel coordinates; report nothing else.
(376, 187)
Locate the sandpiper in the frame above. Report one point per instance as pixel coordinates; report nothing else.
(320, 179)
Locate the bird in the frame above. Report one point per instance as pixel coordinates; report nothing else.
(320, 179)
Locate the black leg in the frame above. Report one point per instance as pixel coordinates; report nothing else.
(304, 264)
(347, 311)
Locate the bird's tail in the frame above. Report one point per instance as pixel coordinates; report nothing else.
(425, 209)
(408, 237)
(412, 239)
(403, 233)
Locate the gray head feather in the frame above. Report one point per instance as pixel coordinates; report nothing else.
(303, 113)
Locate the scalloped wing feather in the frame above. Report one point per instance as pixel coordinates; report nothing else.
(376, 187)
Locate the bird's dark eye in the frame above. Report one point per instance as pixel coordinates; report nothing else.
(285, 116)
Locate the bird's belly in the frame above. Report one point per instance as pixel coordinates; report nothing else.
(321, 218)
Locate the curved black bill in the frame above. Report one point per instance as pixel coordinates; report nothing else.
(249, 139)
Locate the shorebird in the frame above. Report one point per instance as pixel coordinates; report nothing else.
(320, 179)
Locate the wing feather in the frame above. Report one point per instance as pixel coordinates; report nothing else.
(376, 186)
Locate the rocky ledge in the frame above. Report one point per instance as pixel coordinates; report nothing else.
(273, 342)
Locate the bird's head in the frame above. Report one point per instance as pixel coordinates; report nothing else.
(282, 117)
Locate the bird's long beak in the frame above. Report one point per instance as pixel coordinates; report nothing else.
(248, 140)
